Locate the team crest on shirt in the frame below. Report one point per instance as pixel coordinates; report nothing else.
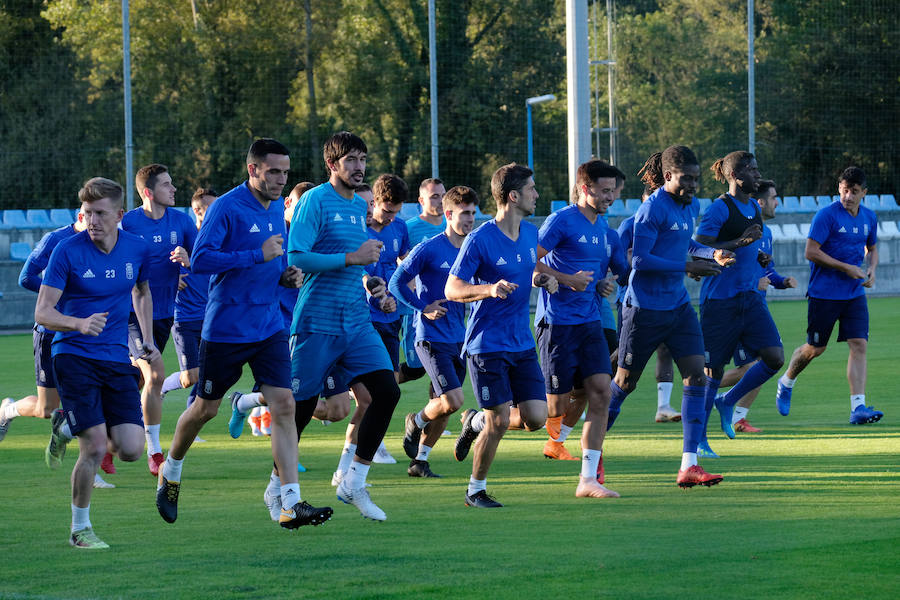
(173, 238)
(866, 229)
(396, 245)
(295, 385)
(533, 256)
(129, 271)
(254, 229)
(608, 250)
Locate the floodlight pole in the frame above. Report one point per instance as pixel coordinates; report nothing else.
(126, 76)
(578, 93)
(432, 90)
(528, 104)
(751, 81)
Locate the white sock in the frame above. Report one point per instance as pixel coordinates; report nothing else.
(478, 421)
(248, 402)
(290, 495)
(274, 486)
(421, 421)
(739, 413)
(564, 431)
(590, 460)
(346, 457)
(172, 469)
(151, 432)
(81, 518)
(424, 451)
(787, 381)
(10, 412)
(476, 485)
(356, 475)
(663, 393)
(857, 400)
(688, 459)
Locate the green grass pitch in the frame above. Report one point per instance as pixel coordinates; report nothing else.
(808, 509)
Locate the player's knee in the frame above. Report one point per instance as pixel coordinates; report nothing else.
(281, 404)
(131, 452)
(857, 346)
(453, 400)
(773, 358)
(695, 379)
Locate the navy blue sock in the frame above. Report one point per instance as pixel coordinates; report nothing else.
(757, 375)
(618, 396)
(192, 396)
(712, 388)
(693, 415)
(172, 382)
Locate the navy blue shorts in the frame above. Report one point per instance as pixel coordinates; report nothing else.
(43, 364)
(822, 314)
(408, 342)
(743, 319)
(186, 335)
(500, 377)
(221, 364)
(744, 356)
(162, 328)
(390, 335)
(644, 329)
(571, 353)
(444, 364)
(94, 392)
(335, 383)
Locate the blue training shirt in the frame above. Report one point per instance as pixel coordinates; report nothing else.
(421, 230)
(243, 290)
(769, 270)
(662, 236)
(395, 238)
(95, 282)
(173, 229)
(326, 228)
(575, 244)
(190, 303)
(429, 264)
(487, 256)
(30, 277)
(743, 275)
(845, 238)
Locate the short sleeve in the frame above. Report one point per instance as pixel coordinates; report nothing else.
(305, 225)
(57, 272)
(468, 260)
(551, 232)
(820, 228)
(712, 220)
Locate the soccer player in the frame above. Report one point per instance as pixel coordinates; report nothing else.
(665, 372)
(331, 326)
(91, 281)
(657, 307)
(574, 245)
(744, 358)
(241, 246)
(732, 312)
(500, 257)
(842, 253)
(429, 223)
(171, 235)
(439, 326)
(190, 307)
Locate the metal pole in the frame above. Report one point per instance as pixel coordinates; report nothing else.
(530, 138)
(126, 76)
(613, 127)
(432, 73)
(751, 81)
(577, 86)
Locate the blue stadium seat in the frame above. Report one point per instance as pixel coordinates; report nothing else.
(888, 202)
(791, 204)
(704, 204)
(409, 210)
(872, 201)
(75, 212)
(15, 218)
(823, 201)
(887, 230)
(617, 209)
(777, 234)
(61, 217)
(38, 217)
(555, 205)
(19, 251)
(808, 204)
(480, 215)
(632, 204)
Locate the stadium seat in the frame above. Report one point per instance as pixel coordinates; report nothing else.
(19, 251)
(481, 215)
(555, 205)
(887, 230)
(808, 205)
(777, 234)
(409, 210)
(835, 198)
(704, 204)
(791, 204)
(791, 232)
(888, 202)
(75, 212)
(823, 201)
(632, 204)
(804, 229)
(61, 217)
(873, 202)
(38, 217)
(617, 209)
(15, 218)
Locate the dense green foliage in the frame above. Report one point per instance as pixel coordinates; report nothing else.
(206, 83)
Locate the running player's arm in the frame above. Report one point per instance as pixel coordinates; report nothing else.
(458, 288)
(819, 232)
(142, 301)
(210, 255)
(618, 262)
(711, 223)
(30, 277)
(182, 254)
(550, 235)
(405, 274)
(45, 312)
